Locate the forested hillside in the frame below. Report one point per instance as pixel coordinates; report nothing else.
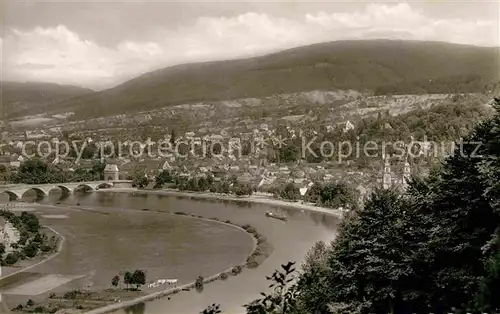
(18, 99)
(358, 65)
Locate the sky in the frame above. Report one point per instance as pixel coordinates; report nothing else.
(99, 44)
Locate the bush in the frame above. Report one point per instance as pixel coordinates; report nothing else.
(236, 270)
(46, 248)
(11, 258)
(71, 294)
(21, 256)
(251, 262)
(30, 302)
(19, 307)
(260, 239)
(257, 252)
(199, 284)
(224, 276)
(30, 250)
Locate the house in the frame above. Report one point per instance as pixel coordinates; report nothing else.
(111, 172)
(245, 178)
(166, 166)
(284, 170)
(15, 164)
(5, 161)
(362, 191)
(303, 190)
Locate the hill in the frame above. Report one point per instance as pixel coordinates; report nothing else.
(19, 99)
(358, 65)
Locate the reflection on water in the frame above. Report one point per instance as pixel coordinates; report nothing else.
(136, 309)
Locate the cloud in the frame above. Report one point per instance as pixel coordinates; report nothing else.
(401, 21)
(57, 54)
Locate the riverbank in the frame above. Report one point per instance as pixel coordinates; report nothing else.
(197, 195)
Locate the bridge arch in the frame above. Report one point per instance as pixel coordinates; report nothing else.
(40, 192)
(65, 190)
(14, 195)
(86, 186)
(104, 185)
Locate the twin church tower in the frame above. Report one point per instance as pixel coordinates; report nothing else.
(388, 180)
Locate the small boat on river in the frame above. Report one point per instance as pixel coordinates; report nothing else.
(272, 215)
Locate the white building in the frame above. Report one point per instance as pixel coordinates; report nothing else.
(348, 126)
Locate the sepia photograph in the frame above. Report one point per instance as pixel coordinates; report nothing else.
(249, 157)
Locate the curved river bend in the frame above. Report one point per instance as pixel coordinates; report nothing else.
(194, 247)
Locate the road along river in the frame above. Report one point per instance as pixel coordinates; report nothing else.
(111, 232)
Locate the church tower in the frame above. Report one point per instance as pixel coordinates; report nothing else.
(406, 175)
(387, 178)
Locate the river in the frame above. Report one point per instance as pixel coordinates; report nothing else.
(126, 237)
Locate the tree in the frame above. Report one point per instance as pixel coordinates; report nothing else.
(127, 278)
(30, 220)
(98, 170)
(199, 284)
(241, 189)
(138, 278)
(283, 298)
(140, 180)
(2, 249)
(487, 296)
(212, 309)
(162, 178)
(30, 250)
(36, 171)
(372, 258)
(290, 192)
(313, 281)
(172, 137)
(115, 281)
(11, 258)
(337, 195)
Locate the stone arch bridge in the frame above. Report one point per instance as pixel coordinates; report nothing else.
(16, 192)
